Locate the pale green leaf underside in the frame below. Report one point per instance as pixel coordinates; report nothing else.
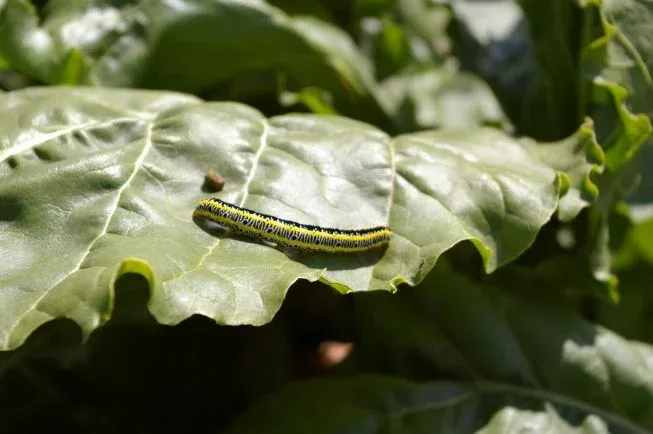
(95, 183)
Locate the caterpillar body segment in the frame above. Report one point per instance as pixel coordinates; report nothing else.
(286, 233)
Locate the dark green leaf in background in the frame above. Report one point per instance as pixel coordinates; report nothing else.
(504, 364)
(140, 45)
(371, 404)
(452, 327)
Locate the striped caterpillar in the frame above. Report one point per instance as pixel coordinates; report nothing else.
(285, 233)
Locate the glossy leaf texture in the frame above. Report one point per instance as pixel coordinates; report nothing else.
(494, 363)
(96, 183)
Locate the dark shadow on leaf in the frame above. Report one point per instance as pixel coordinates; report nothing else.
(340, 261)
(211, 227)
(10, 208)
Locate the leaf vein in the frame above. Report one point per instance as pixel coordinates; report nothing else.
(139, 161)
(245, 190)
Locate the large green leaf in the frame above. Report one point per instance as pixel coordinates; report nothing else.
(96, 183)
(451, 328)
(373, 404)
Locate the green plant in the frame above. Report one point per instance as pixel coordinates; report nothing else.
(506, 145)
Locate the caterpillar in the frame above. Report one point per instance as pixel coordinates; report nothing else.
(286, 233)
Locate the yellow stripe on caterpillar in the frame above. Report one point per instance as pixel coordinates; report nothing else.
(286, 233)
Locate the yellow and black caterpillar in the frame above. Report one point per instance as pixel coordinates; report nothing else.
(287, 233)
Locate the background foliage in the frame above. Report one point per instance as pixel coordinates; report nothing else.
(507, 143)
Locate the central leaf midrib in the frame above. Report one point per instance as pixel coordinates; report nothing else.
(17, 149)
(245, 190)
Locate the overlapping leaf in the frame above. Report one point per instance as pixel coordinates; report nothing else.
(95, 183)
